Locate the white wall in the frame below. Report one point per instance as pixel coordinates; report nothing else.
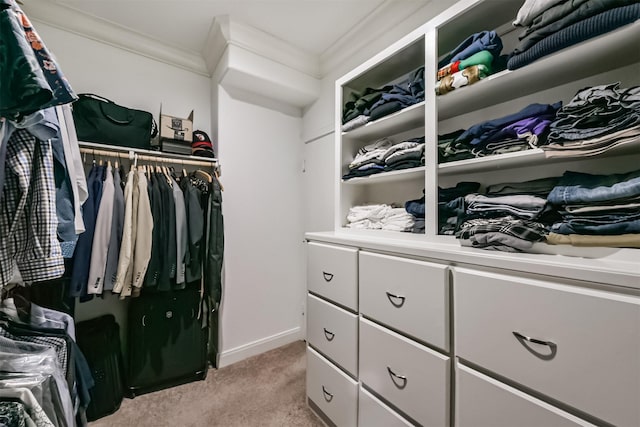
(128, 79)
(261, 157)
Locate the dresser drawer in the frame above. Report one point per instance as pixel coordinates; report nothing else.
(334, 332)
(410, 376)
(373, 413)
(331, 390)
(485, 402)
(407, 295)
(576, 345)
(332, 272)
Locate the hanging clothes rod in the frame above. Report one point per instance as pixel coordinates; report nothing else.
(144, 155)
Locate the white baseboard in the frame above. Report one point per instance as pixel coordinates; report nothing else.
(259, 346)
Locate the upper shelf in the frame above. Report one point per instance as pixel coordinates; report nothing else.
(408, 118)
(391, 66)
(613, 50)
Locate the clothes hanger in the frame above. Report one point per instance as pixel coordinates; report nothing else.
(23, 306)
(215, 173)
(204, 175)
(165, 172)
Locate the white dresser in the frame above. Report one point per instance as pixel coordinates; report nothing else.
(441, 343)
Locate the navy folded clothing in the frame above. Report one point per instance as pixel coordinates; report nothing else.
(576, 33)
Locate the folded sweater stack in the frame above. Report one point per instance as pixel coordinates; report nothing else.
(384, 156)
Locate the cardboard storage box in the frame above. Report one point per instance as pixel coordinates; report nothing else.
(176, 129)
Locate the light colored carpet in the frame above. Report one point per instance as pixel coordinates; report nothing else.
(264, 390)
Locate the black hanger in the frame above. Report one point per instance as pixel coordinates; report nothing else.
(23, 306)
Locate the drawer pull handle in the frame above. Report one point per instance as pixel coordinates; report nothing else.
(552, 346)
(328, 335)
(400, 381)
(327, 276)
(396, 300)
(327, 396)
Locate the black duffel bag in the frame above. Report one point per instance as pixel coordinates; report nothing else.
(98, 119)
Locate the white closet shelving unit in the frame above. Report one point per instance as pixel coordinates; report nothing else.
(451, 335)
(612, 57)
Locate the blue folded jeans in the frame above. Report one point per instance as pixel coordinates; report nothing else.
(585, 227)
(577, 188)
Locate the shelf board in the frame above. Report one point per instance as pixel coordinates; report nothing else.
(405, 119)
(528, 158)
(609, 51)
(393, 176)
(500, 161)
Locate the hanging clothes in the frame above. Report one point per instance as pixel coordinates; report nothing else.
(144, 232)
(117, 227)
(181, 233)
(102, 234)
(82, 255)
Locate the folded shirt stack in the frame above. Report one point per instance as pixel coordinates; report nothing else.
(451, 206)
(506, 234)
(537, 187)
(597, 210)
(552, 25)
(472, 60)
(384, 156)
(523, 130)
(416, 208)
(373, 103)
(449, 151)
(596, 120)
(379, 217)
(519, 205)
(506, 223)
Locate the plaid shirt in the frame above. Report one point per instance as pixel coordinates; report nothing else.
(519, 228)
(28, 220)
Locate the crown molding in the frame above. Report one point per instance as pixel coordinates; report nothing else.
(74, 21)
(385, 24)
(225, 31)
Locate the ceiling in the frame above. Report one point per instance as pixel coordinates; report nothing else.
(310, 25)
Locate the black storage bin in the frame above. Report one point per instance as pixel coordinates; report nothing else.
(99, 340)
(167, 345)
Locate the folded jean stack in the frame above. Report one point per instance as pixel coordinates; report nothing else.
(375, 103)
(552, 25)
(379, 217)
(524, 130)
(44, 377)
(384, 156)
(472, 60)
(510, 217)
(597, 210)
(596, 120)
